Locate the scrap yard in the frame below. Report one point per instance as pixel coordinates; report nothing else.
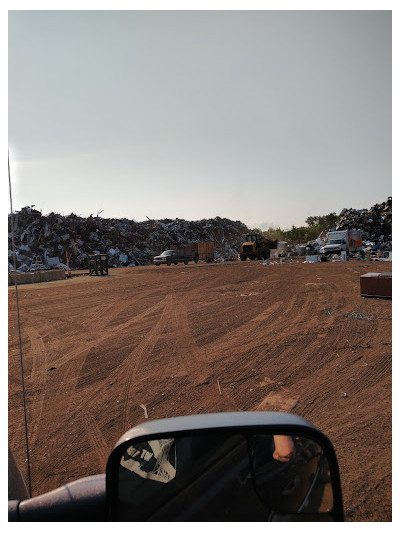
(102, 353)
(200, 265)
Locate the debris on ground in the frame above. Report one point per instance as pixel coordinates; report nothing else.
(144, 410)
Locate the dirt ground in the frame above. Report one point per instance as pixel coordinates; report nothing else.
(289, 337)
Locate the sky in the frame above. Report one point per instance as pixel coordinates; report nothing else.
(263, 116)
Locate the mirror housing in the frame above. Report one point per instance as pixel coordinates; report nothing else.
(276, 488)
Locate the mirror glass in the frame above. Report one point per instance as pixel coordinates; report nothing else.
(222, 477)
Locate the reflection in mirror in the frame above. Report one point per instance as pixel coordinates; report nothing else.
(223, 477)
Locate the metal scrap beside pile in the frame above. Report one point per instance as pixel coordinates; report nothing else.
(55, 237)
(375, 224)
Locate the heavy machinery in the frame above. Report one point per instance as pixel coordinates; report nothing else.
(257, 247)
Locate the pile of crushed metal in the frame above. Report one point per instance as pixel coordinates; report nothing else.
(375, 223)
(54, 237)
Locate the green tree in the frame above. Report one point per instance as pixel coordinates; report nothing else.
(274, 234)
(315, 225)
(326, 221)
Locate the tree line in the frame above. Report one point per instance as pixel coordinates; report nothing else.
(315, 225)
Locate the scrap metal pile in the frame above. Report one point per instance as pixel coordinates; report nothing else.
(53, 237)
(375, 223)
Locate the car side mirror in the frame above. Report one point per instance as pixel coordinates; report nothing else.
(247, 466)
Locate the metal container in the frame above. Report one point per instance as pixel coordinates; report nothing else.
(376, 285)
(98, 264)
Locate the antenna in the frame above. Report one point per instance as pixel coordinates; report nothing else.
(19, 332)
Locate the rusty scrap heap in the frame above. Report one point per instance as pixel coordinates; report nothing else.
(127, 242)
(375, 223)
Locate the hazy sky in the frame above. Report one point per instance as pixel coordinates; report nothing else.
(258, 116)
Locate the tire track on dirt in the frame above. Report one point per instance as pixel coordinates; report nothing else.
(58, 343)
(256, 331)
(98, 444)
(372, 373)
(60, 388)
(194, 358)
(284, 363)
(106, 334)
(90, 371)
(38, 379)
(70, 367)
(258, 352)
(321, 396)
(296, 367)
(309, 341)
(340, 367)
(177, 328)
(104, 312)
(234, 338)
(128, 370)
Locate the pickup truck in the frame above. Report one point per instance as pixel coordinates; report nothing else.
(171, 256)
(195, 251)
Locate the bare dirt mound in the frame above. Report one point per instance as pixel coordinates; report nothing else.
(291, 337)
